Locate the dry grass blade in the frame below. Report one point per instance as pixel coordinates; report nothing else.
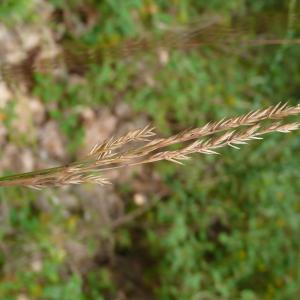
(111, 155)
(215, 32)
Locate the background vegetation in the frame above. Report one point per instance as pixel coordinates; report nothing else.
(223, 227)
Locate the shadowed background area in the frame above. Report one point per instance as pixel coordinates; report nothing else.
(74, 73)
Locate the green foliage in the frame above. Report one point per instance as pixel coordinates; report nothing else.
(229, 237)
(64, 101)
(229, 227)
(8, 114)
(13, 11)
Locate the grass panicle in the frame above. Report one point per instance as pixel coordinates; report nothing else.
(116, 153)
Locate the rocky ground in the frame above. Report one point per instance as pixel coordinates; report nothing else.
(30, 139)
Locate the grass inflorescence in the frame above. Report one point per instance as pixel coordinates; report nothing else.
(140, 147)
